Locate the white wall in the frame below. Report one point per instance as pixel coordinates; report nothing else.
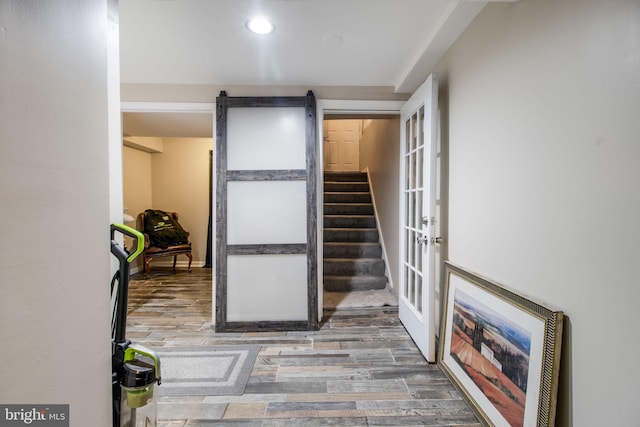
(380, 154)
(542, 99)
(54, 206)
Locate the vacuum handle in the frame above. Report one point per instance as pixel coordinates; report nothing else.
(133, 349)
(138, 243)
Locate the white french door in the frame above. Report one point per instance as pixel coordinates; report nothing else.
(418, 134)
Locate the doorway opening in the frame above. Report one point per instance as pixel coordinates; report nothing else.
(166, 165)
(360, 209)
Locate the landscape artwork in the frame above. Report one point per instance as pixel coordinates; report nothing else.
(500, 349)
(494, 353)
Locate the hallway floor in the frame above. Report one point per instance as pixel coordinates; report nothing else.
(360, 368)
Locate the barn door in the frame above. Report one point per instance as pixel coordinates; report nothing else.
(266, 215)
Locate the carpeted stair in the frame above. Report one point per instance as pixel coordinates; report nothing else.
(352, 252)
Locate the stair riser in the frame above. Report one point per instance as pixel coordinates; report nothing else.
(354, 283)
(348, 187)
(349, 222)
(346, 235)
(356, 267)
(347, 198)
(352, 251)
(348, 209)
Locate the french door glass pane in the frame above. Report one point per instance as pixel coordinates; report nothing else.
(418, 255)
(421, 127)
(412, 289)
(414, 134)
(407, 172)
(418, 210)
(419, 167)
(412, 218)
(418, 301)
(407, 136)
(407, 208)
(405, 291)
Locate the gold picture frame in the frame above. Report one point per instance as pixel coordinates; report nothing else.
(500, 349)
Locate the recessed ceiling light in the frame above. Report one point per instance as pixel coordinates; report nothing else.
(260, 26)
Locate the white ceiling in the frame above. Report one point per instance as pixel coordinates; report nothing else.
(189, 50)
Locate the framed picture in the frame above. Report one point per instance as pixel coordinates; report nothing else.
(501, 350)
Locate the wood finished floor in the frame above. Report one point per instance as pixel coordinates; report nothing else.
(359, 369)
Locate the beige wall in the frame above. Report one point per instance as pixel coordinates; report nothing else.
(541, 100)
(136, 178)
(380, 155)
(54, 206)
(175, 180)
(137, 194)
(180, 182)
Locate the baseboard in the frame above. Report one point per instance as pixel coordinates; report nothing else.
(180, 264)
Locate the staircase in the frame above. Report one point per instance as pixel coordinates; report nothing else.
(352, 252)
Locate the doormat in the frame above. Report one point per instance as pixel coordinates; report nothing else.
(206, 371)
(358, 299)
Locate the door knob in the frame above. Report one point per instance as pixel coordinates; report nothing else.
(438, 240)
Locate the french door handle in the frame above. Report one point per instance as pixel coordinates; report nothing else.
(433, 240)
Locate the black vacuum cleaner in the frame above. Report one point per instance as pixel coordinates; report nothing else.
(134, 369)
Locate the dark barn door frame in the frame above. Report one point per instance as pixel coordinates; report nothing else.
(223, 176)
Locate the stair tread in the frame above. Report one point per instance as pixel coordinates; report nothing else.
(348, 209)
(344, 176)
(350, 216)
(353, 255)
(346, 203)
(344, 182)
(333, 182)
(349, 204)
(355, 251)
(351, 229)
(353, 243)
(345, 192)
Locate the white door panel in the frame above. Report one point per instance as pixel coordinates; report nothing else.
(342, 145)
